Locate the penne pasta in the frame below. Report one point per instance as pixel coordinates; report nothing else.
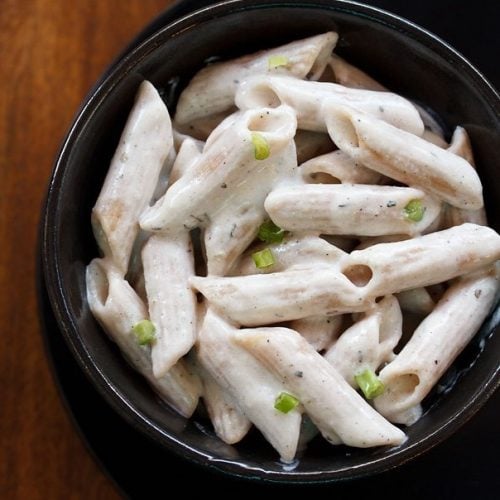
(229, 423)
(294, 252)
(253, 388)
(282, 296)
(189, 153)
(212, 89)
(228, 235)
(404, 157)
(130, 183)
(275, 291)
(340, 71)
(223, 167)
(337, 168)
(368, 343)
(168, 265)
(334, 407)
(348, 75)
(351, 209)
(234, 226)
(118, 308)
(308, 100)
(319, 331)
(388, 268)
(417, 300)
(436, 342)
(461, 146)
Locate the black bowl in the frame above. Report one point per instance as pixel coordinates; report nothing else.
(405, 58)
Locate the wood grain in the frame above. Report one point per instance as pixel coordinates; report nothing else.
(52, 51)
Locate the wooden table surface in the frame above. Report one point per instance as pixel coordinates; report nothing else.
(51, 52)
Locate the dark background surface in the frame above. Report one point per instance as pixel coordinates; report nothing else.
(466, 465)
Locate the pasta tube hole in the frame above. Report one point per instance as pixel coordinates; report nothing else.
(264, 96)
(323, 178)
(359, 274)
(266, 120)
(403, 386)
(97, 282)
(341, 128)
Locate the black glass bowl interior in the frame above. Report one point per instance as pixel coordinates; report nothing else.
(403, 57)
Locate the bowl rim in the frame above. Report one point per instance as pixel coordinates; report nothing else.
(52, 274)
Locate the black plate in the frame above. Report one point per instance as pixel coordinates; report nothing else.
(465, 465)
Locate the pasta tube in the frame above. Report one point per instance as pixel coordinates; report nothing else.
(229, 423)
(348, 75)
(282, 296)
(436, 342)
(296, 252)
(461, 146)
(418, 301)
(117, 307)
(168, 265)
(252, 387)
(236, 223)
(308, 98)
(404, 157)
(302, 252)
(369, 342)
(337, 168)
(356, 209)
(212, 89)
(333, 406)
(388, 268)
(189, 152)
(228, 234)
(319, 331)
(132, 177)
(223, 168)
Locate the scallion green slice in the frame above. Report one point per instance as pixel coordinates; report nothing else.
(286, 402)
(370, 384)
(144, 331)
(261, 146)
(270, 232)
(414, 211)
(264, 258)
(276, 61)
